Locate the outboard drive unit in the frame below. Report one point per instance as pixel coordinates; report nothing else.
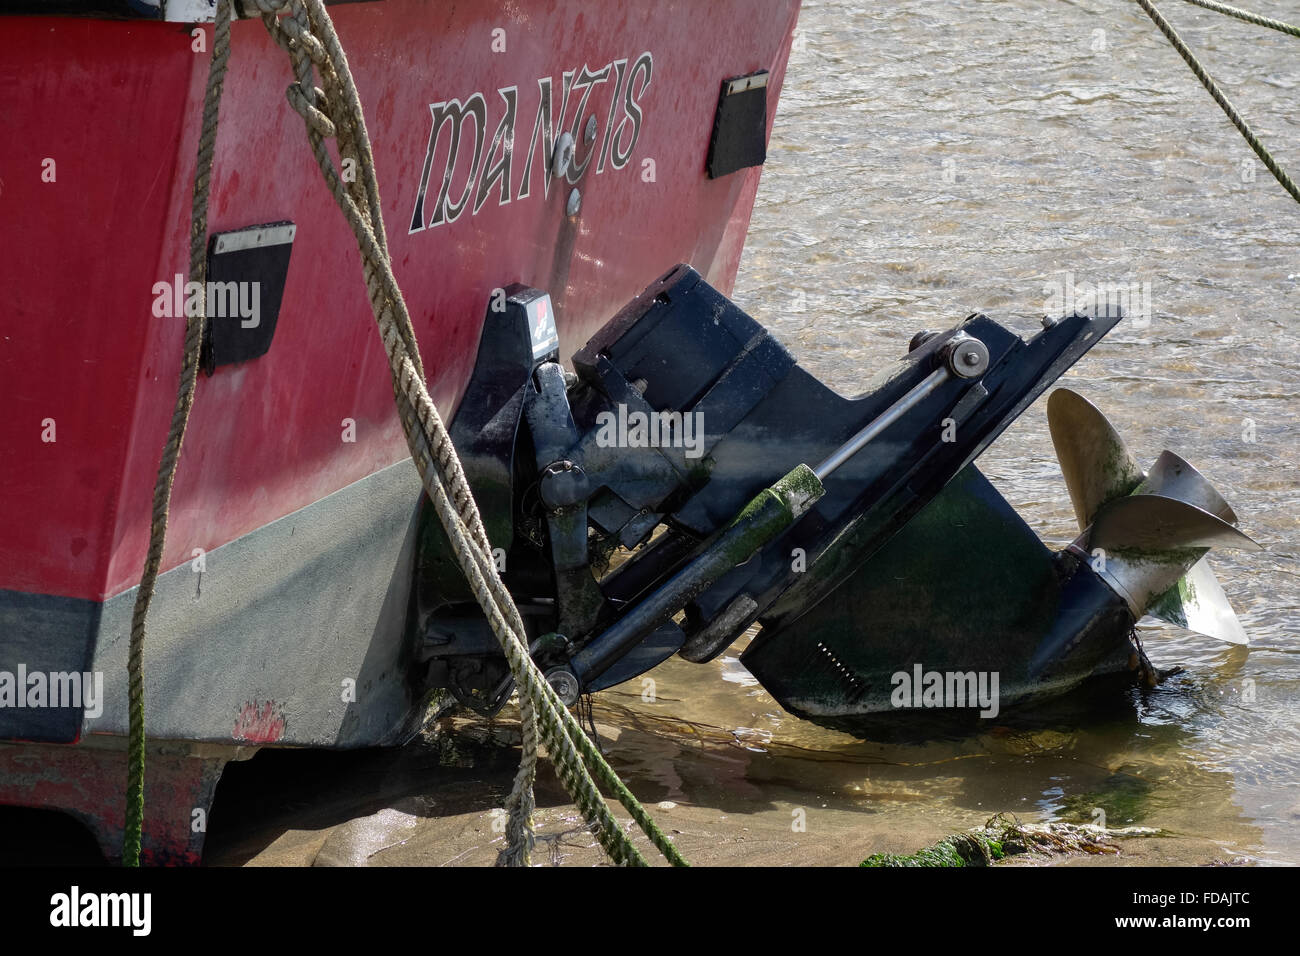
(691, 480)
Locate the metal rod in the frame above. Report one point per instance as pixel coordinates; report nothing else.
(772, 511)
(882, 421)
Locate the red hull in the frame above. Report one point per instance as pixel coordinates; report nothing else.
(95, 193)
(115, 106)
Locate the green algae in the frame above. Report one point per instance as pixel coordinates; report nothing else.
(960, 849)
(1123, 797)
(1001, 837)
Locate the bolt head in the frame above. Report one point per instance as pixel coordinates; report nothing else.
(966, 357)
(562, 155)
(565, 684)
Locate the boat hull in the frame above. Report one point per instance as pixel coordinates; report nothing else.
(282, 614)
(288, 552)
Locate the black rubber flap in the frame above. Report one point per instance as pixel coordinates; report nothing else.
(739, 126)
(247, 269)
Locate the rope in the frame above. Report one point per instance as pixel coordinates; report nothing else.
(1213, 88)
(307, 35)
(162, 492)
(1246, 15)
(304, 30)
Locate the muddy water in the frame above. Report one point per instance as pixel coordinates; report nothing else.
(928, 162)
(947, 158)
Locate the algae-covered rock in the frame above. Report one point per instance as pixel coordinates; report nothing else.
(960, 849)
(1002, 836)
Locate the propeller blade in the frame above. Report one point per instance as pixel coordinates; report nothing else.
(1097, 465)
(1197, 602)
(1155, 523)
(1173, 477)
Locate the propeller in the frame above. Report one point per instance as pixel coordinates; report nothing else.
(1153, 527)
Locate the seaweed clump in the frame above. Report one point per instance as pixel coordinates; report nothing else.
(1002, 836)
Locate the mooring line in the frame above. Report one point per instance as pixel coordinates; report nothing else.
(305, 31)
(1213, 88)
(1247, 16)
(133, 832)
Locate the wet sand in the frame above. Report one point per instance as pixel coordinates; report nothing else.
(724, 803)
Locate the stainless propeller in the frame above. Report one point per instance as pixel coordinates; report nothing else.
(1151, 529)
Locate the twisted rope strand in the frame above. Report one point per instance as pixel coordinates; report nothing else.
(1213, 88)
(133, 835)
(1247, 16)
(307, 34)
